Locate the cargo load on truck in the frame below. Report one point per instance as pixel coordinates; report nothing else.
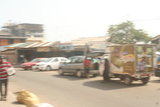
(129, 62)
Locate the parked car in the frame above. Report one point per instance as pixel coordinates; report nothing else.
(50, 63)
(75, 66)
(28, 65)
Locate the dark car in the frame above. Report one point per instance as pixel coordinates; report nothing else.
(28, 65)
(75, 66)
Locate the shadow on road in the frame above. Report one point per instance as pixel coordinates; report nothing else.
(109, 85)
(22, 70)
(17, 103)
(155, 81)
(68, 77)
(41, 71)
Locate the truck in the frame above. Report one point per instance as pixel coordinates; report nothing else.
(129, 62)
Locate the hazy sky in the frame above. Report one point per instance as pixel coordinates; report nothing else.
(70, 19)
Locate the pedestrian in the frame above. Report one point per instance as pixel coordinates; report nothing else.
(4, 65)
(141, 64)
(96, 63)
(106, 69)
(86, 64)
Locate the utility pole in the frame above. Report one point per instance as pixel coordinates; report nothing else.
(86, 49)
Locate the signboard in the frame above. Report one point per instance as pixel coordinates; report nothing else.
(122, 59)
(65, 47)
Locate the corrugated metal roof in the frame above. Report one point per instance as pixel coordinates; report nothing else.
(2, 48)
(15, 45)
(12, 37)
(32, 45)
(44, 44)
(49, 44)
(19, 45)
(40, 44)
(156, 37)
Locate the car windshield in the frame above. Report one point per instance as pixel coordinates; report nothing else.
(47, 60)
(38, 60)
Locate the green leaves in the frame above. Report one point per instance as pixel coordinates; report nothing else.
(126, 33)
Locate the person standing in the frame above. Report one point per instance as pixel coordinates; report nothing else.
(106, 69)
(86, 64)
(4, 65)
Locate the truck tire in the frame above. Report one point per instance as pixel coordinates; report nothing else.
(122, 78)
(128, 80)
(145, 80)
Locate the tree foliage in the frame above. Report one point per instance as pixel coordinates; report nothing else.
(126, 33)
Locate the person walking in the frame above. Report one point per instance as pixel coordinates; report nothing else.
(4, 65)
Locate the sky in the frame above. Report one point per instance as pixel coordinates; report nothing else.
(66, 20)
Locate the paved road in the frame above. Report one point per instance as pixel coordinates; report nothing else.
(69, 91)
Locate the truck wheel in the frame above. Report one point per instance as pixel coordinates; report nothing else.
(122, 78)
(145, 80)
(79, 74)
(127, 80)
(60, 72)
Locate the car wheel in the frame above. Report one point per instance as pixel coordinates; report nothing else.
(25, 68)
(95, 75)
(60, 72)
(48, 68)
(79, 74)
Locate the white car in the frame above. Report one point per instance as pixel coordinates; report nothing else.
(50, 63)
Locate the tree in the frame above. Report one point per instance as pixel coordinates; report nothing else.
(126, 33)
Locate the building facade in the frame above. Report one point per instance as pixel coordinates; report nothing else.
(24, 29)
(7, 39)
(156, 40)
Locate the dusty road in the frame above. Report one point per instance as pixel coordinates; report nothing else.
(70, 91)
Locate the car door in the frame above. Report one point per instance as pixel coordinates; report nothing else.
(67, 65)
(76, 64)
(55, 63)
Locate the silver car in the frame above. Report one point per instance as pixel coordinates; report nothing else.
(75, 66)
